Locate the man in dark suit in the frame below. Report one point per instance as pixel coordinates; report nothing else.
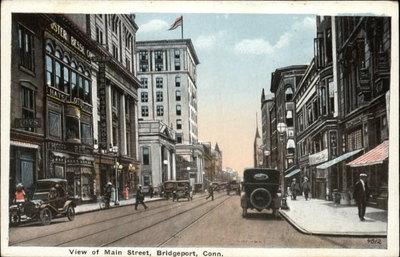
(361, 195)
(140, 198)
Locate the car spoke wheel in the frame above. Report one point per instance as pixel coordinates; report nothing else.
(15, 218)
(71, 213)
(45, 216)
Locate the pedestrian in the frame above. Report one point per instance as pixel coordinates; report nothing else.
(306, 188)
(126, 192)
(294, 188)
(151, 191)
(107, 194)
(210, 193)
(361, 195)
(20, 194)
(140, 198)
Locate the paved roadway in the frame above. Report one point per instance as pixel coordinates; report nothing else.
(199, 222)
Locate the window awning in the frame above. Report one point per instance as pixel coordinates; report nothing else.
(294, 172)
(290, 144)
(375, 156)
(343, 157)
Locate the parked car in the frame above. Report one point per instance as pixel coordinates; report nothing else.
(168, 189)
(234, 186)
(183, 190)
(50, 200)
(260, 190)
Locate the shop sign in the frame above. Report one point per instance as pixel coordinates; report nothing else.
(103, 111)
(27, 123)
(318, 157)
(61, 32)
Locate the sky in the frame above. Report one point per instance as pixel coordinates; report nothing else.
(237, 53)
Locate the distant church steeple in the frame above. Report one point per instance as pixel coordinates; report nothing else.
(262, 96)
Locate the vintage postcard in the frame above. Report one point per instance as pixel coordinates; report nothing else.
(199, 129)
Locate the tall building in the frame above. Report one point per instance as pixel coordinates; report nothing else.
(316, 115)
(52, 104)
(266, 104)
(363, 46)
(284, 82)
(115, 123)
(168, 93)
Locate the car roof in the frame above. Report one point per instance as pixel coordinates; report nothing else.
(259, 170)
(55, 180)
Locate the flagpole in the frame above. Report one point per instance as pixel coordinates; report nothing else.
(182, 28)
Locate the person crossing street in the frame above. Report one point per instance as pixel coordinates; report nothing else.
(140, 198)
(210, 193)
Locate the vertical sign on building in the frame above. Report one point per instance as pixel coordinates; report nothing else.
(103, 111)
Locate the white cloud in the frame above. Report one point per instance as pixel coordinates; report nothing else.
(259, 46)
(208, 41)
(153, 25)
(254, 46)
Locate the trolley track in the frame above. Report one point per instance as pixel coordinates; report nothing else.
(102, 221)
(163, 220)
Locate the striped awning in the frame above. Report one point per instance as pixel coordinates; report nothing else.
(343, 157)
(375, 156)
(294, 172)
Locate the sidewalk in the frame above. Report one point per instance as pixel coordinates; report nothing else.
(324, 218)
(96, 206)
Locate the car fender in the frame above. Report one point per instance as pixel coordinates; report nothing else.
(48, 206)
(68, 203)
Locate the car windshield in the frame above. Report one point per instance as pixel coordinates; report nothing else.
(40, 196)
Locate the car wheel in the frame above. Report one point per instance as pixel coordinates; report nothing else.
(15, 218)
(45, 216)
(260, 198)
(244, 212)
(70, 213)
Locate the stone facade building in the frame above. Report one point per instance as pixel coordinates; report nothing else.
(266, 104)
(168, 92)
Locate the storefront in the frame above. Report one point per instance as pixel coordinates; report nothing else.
(319, 180)
(69, 112)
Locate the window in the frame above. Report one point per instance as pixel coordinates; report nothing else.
(49, 71)
(59, 171)
(289, 93)
(144, 97)
(26, 48)
(72, 130)
(178, 124)
(145, 111)
(309, 115)
(114, 24)
(289, 118)
(159, 82)
(28, 104)
(177, 59)
(315, 109)
(115, 52)
(178, 110)
(99, 35)
(331, 97)
(177, 95)
(145, 156)
(158, 56)
(159, 96)
(144, 83)
(128, 40)
(179, 139)
(143, 61)
(66, 80)
(128, 64)
(177, 81)
(323, 101)
(86, 133)
(290, 146)
(114, 98)
(160, 110)
(55, 124)
(74, 86)
(87, 88)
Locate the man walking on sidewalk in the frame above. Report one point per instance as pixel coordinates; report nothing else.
(361, 195)
(306, 187)
(140, 198)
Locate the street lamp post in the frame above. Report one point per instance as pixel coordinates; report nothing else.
(114, 149)
(281, 127)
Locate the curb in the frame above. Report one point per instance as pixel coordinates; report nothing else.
(330, 233)
(115, 206)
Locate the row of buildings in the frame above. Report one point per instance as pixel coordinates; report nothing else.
(328, 120)
(90, 104)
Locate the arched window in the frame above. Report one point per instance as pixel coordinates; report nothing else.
(177, 95)
(58, 54)
(49, 48)
(289, 118)
(66, 59)
(177, 81)
(289, 93)
(290, 146)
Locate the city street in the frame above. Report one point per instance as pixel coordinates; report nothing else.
(199, 222)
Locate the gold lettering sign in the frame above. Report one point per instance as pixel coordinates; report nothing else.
(59, 30)
(77, 45)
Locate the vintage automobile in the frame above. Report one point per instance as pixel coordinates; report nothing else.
(234, 186)
(168, 189)
(49, 200)
(260, 190)
(183, 190)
